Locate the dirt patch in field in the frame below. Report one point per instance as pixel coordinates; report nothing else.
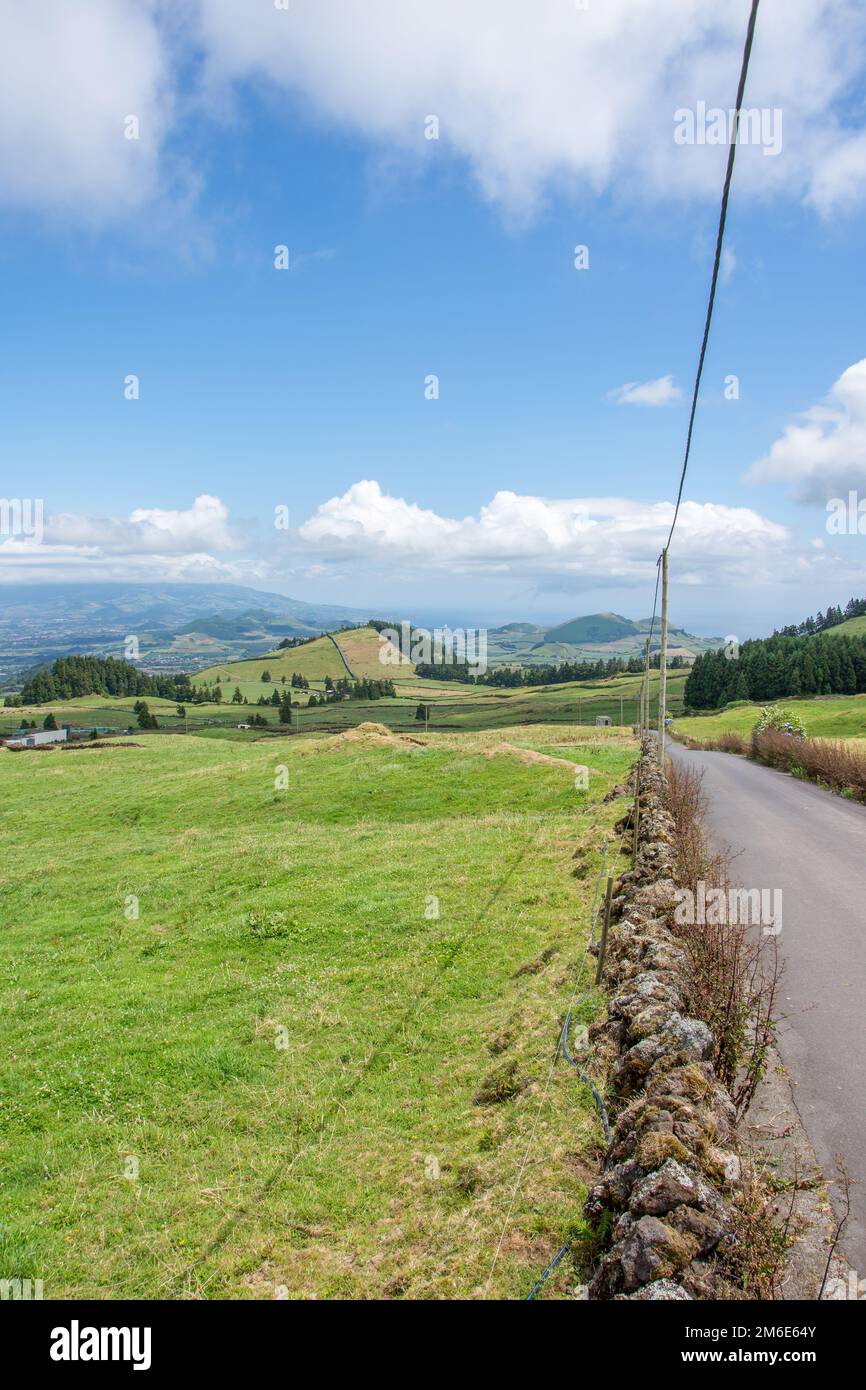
(531, 758)
(371, 735)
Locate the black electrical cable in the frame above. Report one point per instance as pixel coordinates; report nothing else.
(732, 151)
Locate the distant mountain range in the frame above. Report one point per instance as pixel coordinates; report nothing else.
(160, 605)
(179, 626)
(185, 627)
(594, 637)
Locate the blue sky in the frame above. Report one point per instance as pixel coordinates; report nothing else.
(409, 257)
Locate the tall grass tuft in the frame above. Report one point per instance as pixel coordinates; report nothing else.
(834, 763)
(733, 972)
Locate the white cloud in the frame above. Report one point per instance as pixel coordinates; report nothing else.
(148, 530)
(530, 97)
(825, 455)
(542, 94)
(367, 540)
(151, 543)
(555, 544)
(659, 392)
(70, 75)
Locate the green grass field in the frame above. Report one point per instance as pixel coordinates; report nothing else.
(832, 716)
(314, 660)
(242, 1053)
(852, 627)
(452, 707)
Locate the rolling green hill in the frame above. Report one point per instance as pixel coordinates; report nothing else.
(251, 626)
(852, 627)
(314, 660)
(594, 637)
(595, 628)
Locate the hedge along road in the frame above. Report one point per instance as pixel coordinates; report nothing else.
(791, 835)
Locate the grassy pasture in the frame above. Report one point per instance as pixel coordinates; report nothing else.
(315, 660)
(266, 1079)
(831, 716)
(852, 627)
(453, 706)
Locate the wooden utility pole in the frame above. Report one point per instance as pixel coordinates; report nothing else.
(646, 695)
(602, 950)
(663, 660)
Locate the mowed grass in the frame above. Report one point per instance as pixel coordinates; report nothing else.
(264, 1084)
(832, 716)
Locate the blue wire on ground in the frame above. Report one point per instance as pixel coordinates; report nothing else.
(550, 1268)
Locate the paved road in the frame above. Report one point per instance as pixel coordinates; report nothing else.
(791, 835)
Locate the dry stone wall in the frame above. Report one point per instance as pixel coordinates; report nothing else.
(667, 1196)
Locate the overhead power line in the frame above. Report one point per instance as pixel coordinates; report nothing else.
(732, 153)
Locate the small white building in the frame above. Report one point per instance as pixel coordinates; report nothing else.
(34, 738)
(602, 721)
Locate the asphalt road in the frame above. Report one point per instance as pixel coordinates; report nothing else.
(793, 836)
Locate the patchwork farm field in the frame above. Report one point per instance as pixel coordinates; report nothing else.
(453, 707)
(278, 1016)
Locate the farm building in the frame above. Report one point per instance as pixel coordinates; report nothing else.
(602, 721)
(34, 738)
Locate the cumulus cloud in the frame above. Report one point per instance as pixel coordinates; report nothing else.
(149, 530)
(530, 97)
(659, 392)
(552, 543)
(367, 537)
(824, 454)
(151, 543)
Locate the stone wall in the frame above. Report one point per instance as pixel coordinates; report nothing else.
(666, 1198)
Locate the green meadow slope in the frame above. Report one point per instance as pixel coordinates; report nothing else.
(852, 627)
(314, 660)
(278, 1016)
(831, 716)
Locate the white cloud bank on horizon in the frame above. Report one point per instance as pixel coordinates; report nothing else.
(662, 391)
(825, 455)
(151, 543)
(555, 544)
(531, 97)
